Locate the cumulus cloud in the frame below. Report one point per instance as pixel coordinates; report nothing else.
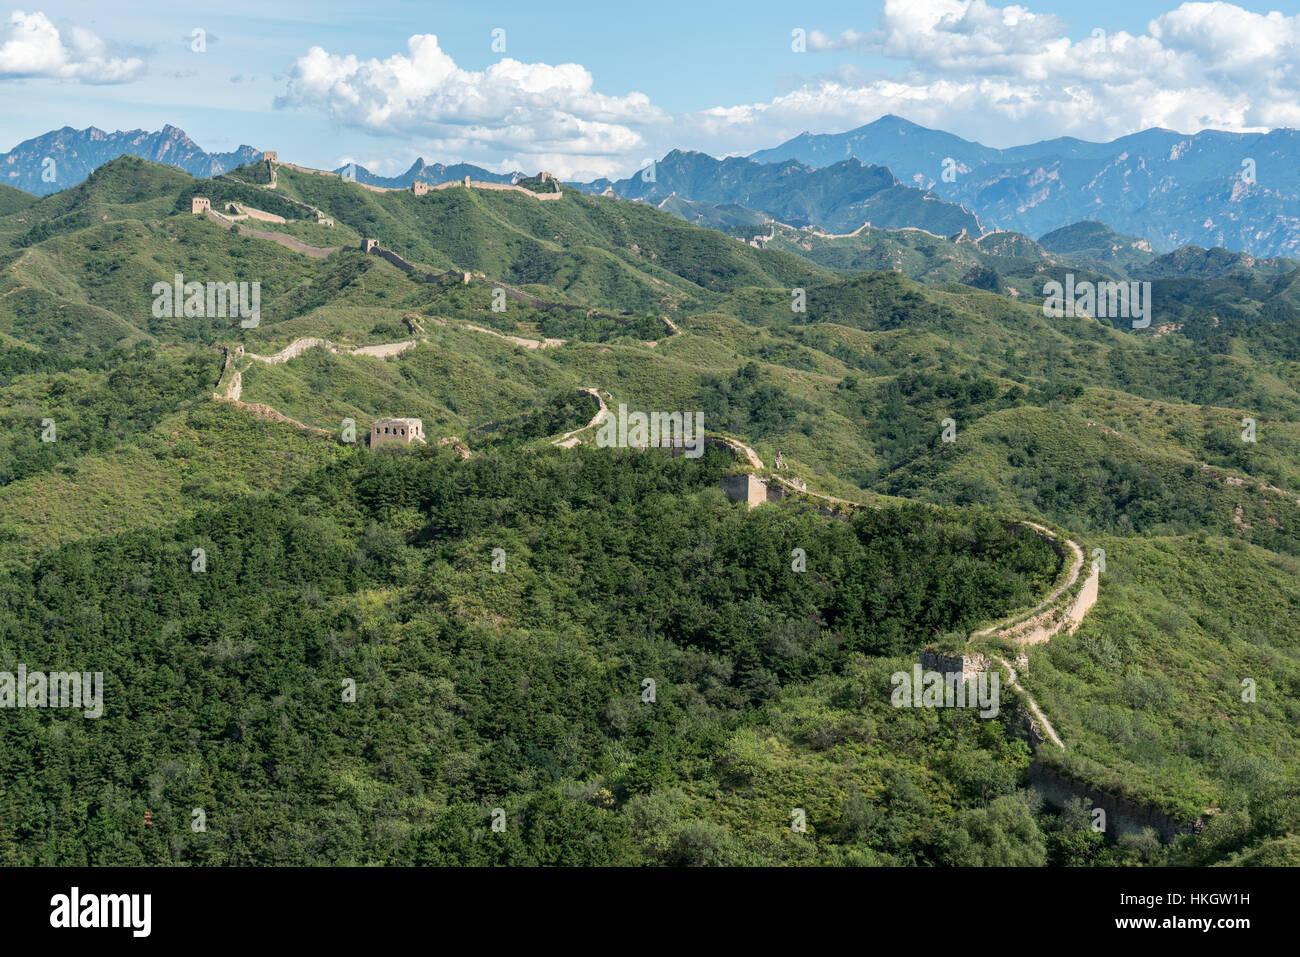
(534, 110)
(1199, 65)
(952, 34)
(34, 47)
(1003, 75)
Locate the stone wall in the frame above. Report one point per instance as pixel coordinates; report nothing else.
(266, 412)
(1084, 601)
(258, 214)
(283, 239)
(293, 350)
(968, 665)
(500, 187)
(420, 187)
(1122, 815)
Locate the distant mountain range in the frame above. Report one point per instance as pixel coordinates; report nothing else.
(1165, 189)
(839, 197)
(432, 173)
(65, 157)
(1237, 190)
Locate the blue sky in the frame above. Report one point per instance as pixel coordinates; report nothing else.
(595, 88)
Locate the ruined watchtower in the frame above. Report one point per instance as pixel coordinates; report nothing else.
(396, 430)
(271, 156)
(746, 488)
(200, 204)
(966, 664)
(369, 245)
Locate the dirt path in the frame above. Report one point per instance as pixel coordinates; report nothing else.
(1033, 705)
(570, 439)
(517, 340)
(1039, 622)
(750, 455)
(385, 351)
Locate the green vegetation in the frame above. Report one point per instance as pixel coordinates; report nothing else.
(522, 689)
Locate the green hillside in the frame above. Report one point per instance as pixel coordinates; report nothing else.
(13, 200)
(891, 368)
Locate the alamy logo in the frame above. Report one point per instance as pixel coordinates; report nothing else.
(58, 689)
(938, 689)
(213, 300)
(103, 910)
(684, 430)
(1101, 300)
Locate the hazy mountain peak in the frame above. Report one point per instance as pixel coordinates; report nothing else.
(62, 158)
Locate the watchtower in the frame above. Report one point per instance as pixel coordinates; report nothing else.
(396, 430)
(746, 488)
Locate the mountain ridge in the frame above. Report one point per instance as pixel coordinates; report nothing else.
(1211, 188)
(64, 157)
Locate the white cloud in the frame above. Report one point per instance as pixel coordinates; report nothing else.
(34, 47)
(1017, 75)
(538, 112)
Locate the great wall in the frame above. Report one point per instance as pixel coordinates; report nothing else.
(201, 205)
(418, 187)
(1064, 608)
(283, 239)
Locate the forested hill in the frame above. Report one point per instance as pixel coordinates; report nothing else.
(132, 436)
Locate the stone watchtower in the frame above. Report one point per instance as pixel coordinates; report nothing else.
(405, 431)
(200, 204)
(369, 245)
(746, 488)
(419, 187)
(271, 156)
(968, 665)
